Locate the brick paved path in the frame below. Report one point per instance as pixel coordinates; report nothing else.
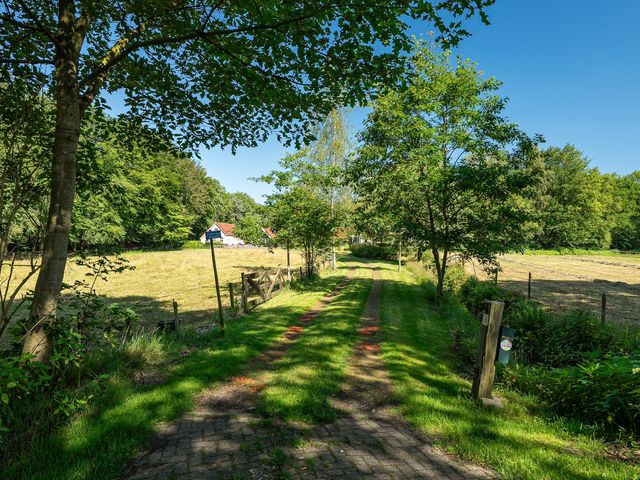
(225, 438)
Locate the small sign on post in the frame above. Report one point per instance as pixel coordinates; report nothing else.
(212, 235)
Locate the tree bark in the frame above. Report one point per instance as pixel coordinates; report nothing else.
(56, 239)
(63, 185)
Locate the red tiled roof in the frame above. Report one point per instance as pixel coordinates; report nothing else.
(227, 228)
(270, 233)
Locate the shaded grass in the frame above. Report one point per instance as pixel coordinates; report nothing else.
(312, 370)
(517, 444)
(99, 443)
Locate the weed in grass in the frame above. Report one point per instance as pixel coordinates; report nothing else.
(278, 457)
(310, 464)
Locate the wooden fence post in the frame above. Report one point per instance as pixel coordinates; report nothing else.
(300, 273)
(244, 294)
(603, 308)
(215, 274)
(529, 288)
(175, 312)
(487, 347)
(233, 302)
(496, 278)
(288, 263)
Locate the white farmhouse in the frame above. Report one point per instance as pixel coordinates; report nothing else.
(226, 229)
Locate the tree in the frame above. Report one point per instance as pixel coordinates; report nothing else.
(249, 229)
(207, 72)
(303, 219)
(569, 202)
(434, 161)
(625, 195)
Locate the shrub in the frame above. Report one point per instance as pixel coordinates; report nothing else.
(454, 278)
(605, 392)
(474, 292)
(370, 250)
(572, 338)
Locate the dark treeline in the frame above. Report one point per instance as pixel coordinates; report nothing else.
(577, 206)
(135, 190)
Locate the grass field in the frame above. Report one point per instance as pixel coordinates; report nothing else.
(183, 275)
(569, 281)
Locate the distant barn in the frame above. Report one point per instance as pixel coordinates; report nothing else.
(228, 238)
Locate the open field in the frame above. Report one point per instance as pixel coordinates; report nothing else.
(576, 281)
(183, 275)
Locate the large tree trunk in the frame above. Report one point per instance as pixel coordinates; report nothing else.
(63, 183)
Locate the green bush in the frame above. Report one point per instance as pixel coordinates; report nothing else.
(604, 393)
(576, 336)
(454, 279)
(370, 250)
(474, 292)
(577, 366)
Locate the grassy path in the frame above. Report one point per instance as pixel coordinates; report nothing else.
(517, 445)
(100, 443)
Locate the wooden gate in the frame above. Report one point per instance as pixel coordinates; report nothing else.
(258, 287)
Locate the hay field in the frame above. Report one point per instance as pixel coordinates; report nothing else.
(183, 275)
(569, 281)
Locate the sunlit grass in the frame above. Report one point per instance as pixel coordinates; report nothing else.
(515, 443)
(99, 443)
(313, 369)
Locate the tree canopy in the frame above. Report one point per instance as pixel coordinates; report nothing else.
(435, 163)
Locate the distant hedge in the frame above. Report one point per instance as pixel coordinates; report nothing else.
(370, 250)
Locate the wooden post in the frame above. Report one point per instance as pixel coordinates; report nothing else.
(215, 274)
(233, 302)
(487, 347)
(300, 273)
(175, 312)
(496, 279)
(244, 295)
(288, 263)
(603, 311)
(529, 288)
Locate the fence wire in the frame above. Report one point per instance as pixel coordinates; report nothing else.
(561, 290)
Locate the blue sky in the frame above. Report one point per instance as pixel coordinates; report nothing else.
(570, 69)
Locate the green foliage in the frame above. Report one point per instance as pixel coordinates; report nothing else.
(605, 392)
(194, 244)
(249, 229)
(435, 163)
(304, 219)
(570, 202)
(372, 250)
(578, 367)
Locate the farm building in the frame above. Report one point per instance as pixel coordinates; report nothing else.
(228, 238)
(269, 233)
(226, 229)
